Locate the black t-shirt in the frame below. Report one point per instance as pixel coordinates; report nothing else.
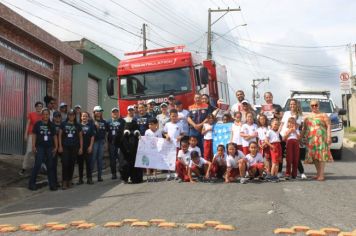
(114, 128)
(70, 134)
(88, 132)
(100, 129)
(142, 122)
(44, 134)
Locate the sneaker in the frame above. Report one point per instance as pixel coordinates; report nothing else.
(148, 179)
(22, 172)
(287, 177)
(80, 182)
(90, 181)
(243, 180)
(180, 180)
(168, 178)
(100, 180)
(280, 175)
(114, 176)
(303, 176)
(274, 179)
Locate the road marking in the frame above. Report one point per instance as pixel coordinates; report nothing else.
(330, 230)
(195, 226)
(60, 227)
(167, 225)
(300, 228)
(129, 221)
(86, 226)
(315, 233)
(8, 229)
(212, 223)
(222, 227)
(77, 222)
(286, 231)
(113, 224)
(157, 221)
(141, 224)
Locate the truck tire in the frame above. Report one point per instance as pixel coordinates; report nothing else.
(337, 153)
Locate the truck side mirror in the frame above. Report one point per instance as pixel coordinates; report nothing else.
(204, 75)
(342, 112)
(110, 87)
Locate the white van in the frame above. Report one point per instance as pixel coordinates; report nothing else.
(327, 106)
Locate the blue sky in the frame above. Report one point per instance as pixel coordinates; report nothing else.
(275, 43)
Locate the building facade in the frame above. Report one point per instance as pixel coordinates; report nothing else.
(33, 64)
(89, 78)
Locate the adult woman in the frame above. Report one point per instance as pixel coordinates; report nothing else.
(206, 99)
(317, 131)
(163, 118)
(296, 112)
(99, 141)
(245, 109)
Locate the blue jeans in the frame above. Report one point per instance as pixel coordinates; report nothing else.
(98, 155)
(43, 154)
(113, 151)
(200, 137)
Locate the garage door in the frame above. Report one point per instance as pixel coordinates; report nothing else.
(93, 94)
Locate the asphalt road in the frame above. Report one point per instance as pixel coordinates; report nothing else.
(254, 208)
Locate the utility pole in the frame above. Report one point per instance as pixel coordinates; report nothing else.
(255, 83)
(209, 52)
(144, 38)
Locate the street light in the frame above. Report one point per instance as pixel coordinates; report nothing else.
(222, 35)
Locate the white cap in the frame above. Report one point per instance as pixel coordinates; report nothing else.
(62, 104)
(163, 104)
(245, 101)
(78, 106)
(150, 101)
(130, 107)
(115, 109)
(98, 108)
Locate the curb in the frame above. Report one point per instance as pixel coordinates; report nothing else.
(348, 143)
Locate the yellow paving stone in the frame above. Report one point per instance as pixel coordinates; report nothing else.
(113, 224)
(300, 228)
(86, 226)
(315, 233)
(5, 225)
(60, 227)
(157, 221)
(8, 229)
(195, 226)
(286, 231)
(167, 225)
(141, 224)
(212, 223)
(331, 230)
(222, 227)
(346, 234)
(77, 222)
(50, 224)
(32, 228)
(22, 226)
(129, 221)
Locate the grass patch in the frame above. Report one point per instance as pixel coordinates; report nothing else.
(350, 129)
(353, 139)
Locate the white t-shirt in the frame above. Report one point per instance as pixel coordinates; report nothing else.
(201, 163)
(236, 107)
(262, 131)
(250, 130)
(273, 136)
(182, 117)
(208, 135)
(254, 160)
(220, 159)
(150, 133)
(162, 120)
(236, 137)
(173, 130)
(232, 161)
(294, 135)
(284, 122)
(185, 157)
(196, 148)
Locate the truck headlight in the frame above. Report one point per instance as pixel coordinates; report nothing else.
(337, 126)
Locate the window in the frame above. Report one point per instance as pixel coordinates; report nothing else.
(155, 83)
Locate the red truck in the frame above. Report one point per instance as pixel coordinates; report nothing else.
(158, 73)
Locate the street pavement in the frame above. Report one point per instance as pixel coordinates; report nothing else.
(254, 208)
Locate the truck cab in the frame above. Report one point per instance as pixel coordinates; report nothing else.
(326, 105)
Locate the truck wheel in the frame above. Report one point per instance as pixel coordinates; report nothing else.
(337, 154)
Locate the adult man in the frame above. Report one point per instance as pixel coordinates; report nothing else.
(78, 112)
(171, 102)
(270, 109)
(196, 118)
(151, 109)
(63, 109)
(51, 105)
(240, 95)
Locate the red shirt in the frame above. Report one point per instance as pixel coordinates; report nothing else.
(33, 117)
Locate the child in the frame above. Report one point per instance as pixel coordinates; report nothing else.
(254, 161)
(218, 168)
(199, 166)
(207, 131)
(263, 147)
(70, 145)
(182, 163)
(173, 132)
(292, 136)
(235, 164)
(193, 142)
(152, 131)
(88, 130)
(248, 132)
(236, 130)
(274, 142)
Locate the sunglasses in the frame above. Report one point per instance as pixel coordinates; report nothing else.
(314, 105)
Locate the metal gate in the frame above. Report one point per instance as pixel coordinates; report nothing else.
(93, 94)
(13, 88)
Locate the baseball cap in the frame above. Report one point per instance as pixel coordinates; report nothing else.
(171, 97)
(131, 107)
(78, 106)
(114, 109)
(98, 108)
(245, 101)
(63, 104)
(56, 114)
(150, 101)
(163, 104)
(71, 112)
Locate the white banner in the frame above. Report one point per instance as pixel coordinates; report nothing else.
(156, 153)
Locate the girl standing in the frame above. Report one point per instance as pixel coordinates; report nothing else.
(274, 143)
(207, 131)
(99, 141)
(292, 136)
(236, 131)
(248, 133)
(263, 147)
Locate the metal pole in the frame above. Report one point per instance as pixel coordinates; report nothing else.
(144, 38)
(209, 53)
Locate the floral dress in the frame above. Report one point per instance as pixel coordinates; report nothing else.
(317, 148)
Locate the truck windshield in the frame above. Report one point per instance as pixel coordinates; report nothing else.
(155, 83)
(325, 105)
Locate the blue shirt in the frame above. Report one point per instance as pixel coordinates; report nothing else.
(114, 128)
(70, 134)
(142, 122)
(100, 129)
(44, 134)
(88, 132)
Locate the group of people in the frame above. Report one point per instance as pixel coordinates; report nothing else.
(256, 149)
